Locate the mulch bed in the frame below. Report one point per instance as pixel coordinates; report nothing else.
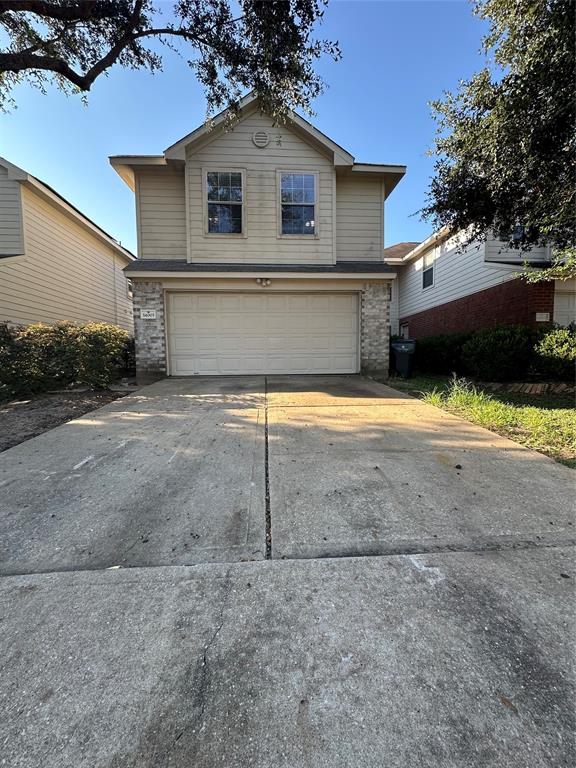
(531, 388)
(28, 417)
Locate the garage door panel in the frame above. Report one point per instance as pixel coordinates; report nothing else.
(342, 346)
(236, 333)
(297, 303)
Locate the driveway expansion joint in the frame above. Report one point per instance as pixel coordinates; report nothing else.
(267, 476)
(392, 552)
(476, 546)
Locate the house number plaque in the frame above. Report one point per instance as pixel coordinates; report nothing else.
(148, 314)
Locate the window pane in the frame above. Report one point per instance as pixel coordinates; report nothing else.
(309, 181)
(427, 277)
(224, 186)
(286, 187)
(297, 219)
(235, 187)
(226, 219)
(212, 184)
(297, 188)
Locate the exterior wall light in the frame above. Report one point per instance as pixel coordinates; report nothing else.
(264, 282)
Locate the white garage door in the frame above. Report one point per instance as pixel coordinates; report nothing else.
(237, 333)
(564, 308)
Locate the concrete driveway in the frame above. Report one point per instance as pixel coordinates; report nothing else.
(291, 571)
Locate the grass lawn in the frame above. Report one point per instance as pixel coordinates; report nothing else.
(545, 423)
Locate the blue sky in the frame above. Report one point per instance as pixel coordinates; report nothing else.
(397, 56)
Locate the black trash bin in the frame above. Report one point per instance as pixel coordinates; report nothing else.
(403, 354)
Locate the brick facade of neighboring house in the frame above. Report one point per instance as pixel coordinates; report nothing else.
(512, 302)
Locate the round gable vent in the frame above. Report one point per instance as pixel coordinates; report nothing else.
(261, 139)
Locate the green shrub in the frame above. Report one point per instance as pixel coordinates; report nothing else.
(501, 353)
(8, 356)
(48, 356)
(441, 354)
(41, 357)
(101, 348)
(555, 354)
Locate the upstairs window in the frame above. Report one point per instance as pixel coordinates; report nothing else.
(225, 196)
(428, 270)
(298, 203)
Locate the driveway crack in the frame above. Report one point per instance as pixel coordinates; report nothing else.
(205, 670)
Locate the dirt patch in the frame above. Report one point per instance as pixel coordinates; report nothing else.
(25, 418)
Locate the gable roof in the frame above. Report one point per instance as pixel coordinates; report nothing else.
(175, 154)
(247, 106)
(49, 193)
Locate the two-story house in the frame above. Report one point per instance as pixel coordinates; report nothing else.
(261, 250)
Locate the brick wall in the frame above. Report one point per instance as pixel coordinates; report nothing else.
(149, 334)
(512, 302)
(375, 327)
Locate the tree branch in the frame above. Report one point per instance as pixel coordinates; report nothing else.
(22, 60)
(18, 61)
(80, 10)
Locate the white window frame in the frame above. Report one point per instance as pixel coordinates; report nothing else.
(129, 289)
(300, 172)
(427, 268)
(221, 169)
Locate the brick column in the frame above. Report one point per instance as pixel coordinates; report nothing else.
(150, 337)
(375, 327)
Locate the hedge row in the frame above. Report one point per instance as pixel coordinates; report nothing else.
(502, 353)
(40, 357)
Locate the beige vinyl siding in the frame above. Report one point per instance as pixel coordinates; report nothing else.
(261, 243)
(455, 275)
(161, 214)
(359, 219)
(11, 235)
(66, 274)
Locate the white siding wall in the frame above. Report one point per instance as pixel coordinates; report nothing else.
(11, 240)
(496, 250)
(455, 275)
(161, 214)
(286, 151)
(66, 273)
(359, 219)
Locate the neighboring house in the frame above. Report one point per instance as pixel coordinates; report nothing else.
(261, 250)
(442, 289)
(56, 264)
